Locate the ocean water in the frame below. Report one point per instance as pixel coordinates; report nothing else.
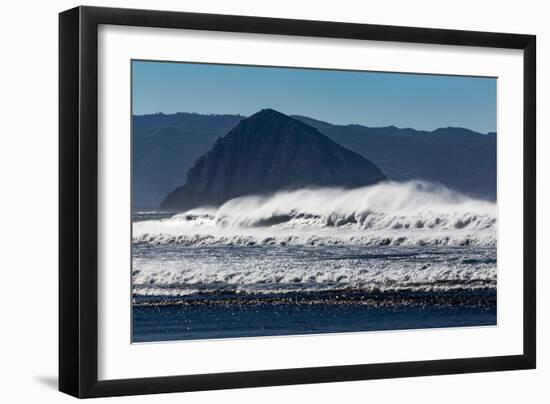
(387, 257)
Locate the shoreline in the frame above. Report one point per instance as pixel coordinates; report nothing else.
(451, 298)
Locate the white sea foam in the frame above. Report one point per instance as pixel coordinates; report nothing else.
(280, 269)
(410, 214)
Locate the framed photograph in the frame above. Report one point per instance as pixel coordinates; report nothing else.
(251, 201)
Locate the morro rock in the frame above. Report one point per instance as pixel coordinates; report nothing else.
(265, 153)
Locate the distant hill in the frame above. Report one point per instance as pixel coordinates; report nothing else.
(167, 145)
(268, 152)
(458, 158)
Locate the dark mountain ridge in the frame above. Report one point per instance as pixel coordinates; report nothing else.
(459, 158)
(165, 146)
(265, 153)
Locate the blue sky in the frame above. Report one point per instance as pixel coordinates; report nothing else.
(342, 97)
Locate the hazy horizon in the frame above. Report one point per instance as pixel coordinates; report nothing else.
(307, 116)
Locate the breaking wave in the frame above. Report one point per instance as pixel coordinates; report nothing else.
(410, 214)
(285, 274)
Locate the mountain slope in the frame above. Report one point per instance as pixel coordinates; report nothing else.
(166, 146)
(267, 152)
(458, 158)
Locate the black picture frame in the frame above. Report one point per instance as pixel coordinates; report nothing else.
(78, 203)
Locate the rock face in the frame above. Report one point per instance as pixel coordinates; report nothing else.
(267, 152)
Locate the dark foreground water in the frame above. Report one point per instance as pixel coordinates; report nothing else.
(230, 318)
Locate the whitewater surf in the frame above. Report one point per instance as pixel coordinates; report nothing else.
(390, 246)
(413, 213)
